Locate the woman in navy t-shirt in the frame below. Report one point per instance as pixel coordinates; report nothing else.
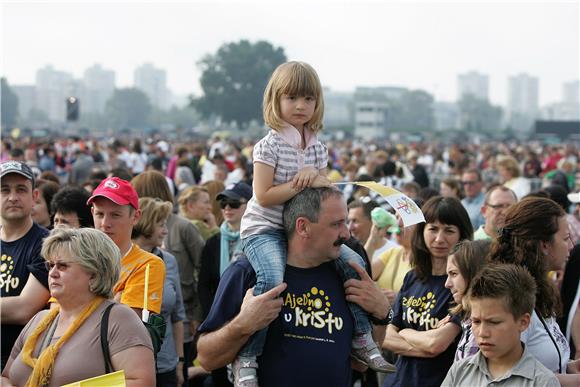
(424, 301)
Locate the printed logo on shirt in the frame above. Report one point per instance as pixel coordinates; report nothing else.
(7, 282)
(419, 310)
(312, 309)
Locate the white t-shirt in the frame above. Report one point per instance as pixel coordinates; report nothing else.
(546, 347)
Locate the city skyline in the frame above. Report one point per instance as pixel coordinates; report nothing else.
(417, 45)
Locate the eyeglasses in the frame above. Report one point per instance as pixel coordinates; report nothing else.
(60, 265)
(469, 182)
(235, 204)
(498, 206)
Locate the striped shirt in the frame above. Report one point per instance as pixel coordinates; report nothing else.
(282, 151)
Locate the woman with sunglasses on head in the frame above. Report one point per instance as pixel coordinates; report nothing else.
(84, 265)
(423, 300)
(536, 235)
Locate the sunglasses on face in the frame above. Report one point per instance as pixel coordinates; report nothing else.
(60, 265)
(235, 204)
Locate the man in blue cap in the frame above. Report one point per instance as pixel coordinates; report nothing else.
(23, 276)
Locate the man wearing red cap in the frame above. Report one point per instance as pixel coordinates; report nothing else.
(115, 211)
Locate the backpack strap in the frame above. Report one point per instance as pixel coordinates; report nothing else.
(104, 340)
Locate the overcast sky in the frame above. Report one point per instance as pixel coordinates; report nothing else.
(363, 43)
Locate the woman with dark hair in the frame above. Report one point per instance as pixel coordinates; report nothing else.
(536, 235)
(423, 299)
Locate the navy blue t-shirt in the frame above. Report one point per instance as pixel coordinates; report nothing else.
(20, 258)
(309, 344)
(420, 306)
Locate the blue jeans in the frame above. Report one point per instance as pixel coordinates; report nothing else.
(346, 272)
(267, 254)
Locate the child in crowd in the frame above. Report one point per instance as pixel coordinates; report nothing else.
(287, 160)
(501, 300)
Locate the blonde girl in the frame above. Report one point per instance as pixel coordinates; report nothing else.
(287, 160)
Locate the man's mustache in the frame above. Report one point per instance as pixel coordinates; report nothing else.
(340, 241)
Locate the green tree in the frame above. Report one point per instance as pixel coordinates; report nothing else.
(9, 105)
(479, 115)
(128, 108)
(233, 80)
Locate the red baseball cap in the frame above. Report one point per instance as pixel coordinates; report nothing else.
(117, 190)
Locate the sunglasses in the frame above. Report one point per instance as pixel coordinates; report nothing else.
(235, 204)
(60, 265)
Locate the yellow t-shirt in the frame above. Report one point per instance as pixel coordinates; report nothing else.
(395, 269)
(132, 281)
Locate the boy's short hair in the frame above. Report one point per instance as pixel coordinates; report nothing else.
(511, 283)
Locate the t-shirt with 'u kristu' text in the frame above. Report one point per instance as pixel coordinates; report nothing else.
(20, 259)
(309, 343)
(420, 306)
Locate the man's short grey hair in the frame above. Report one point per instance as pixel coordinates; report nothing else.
(93, 250)
(306, 204)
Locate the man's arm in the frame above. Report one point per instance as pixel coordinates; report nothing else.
(20, 309)
(218, 348)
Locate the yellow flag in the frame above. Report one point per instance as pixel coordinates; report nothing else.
(114, 379)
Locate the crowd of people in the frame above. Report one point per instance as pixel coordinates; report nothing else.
(241, 262)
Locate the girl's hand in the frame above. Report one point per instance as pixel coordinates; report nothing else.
(304, 178)
(443, 321)
(321, 181)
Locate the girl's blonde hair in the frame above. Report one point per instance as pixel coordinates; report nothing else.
(292, 78)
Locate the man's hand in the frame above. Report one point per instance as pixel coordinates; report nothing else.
(366, 294)
(258, 312)
(304, 178)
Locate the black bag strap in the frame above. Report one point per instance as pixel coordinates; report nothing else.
(104, 340)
